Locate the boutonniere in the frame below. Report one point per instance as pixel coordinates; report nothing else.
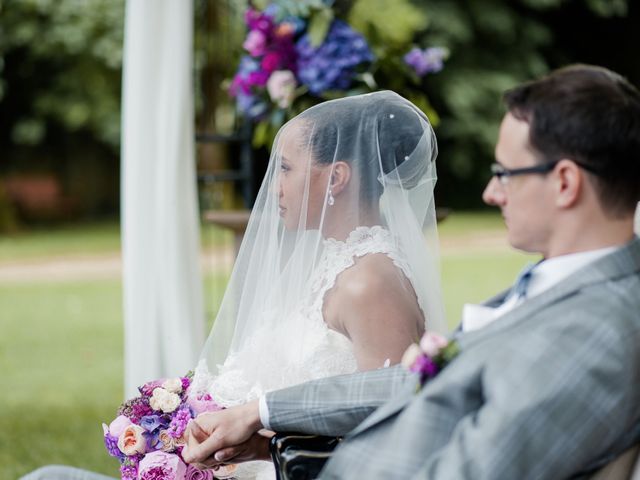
(430, 356)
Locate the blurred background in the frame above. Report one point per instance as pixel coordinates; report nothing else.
(60, 108)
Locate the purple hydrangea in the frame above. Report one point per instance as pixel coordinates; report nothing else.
(251, 106)
(429, 60)
(331, 66)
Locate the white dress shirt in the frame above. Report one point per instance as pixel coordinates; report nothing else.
(544, 276)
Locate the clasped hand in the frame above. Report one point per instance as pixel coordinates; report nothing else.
(233, 435)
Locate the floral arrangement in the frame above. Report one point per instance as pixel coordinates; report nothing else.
(299, 53)
(430, 356)
(147, 435)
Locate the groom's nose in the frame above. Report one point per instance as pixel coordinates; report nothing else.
(494, 193)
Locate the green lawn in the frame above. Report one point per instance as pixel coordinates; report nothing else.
(61, 343)
(94, 238)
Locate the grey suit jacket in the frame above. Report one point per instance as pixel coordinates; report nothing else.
(549, 390)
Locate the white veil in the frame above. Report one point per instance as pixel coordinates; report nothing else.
(343, 164)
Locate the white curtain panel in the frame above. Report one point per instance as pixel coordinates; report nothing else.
(637, 220)
(163, 307)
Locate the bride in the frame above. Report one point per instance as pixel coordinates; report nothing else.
(338, 270)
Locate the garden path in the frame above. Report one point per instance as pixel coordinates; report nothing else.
(109, 265)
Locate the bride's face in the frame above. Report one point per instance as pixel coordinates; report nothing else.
(299, 173)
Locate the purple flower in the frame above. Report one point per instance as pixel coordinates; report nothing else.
(135, 408)
(186, 381)
(152, 422)
(333, 64)
(258, 78)
(148, 388)
(250, 105)
(425, 366)
(195, 474)
(128, 472)
(129, 467)
(258, 21)
(429, 60)
(111, 443)
(179, 422)
(161, 466)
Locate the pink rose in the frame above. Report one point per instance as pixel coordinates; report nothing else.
(432, 343)
(118, 425)
(159, 465)
(255, 43)
(202, 403)
(194, 473)
(131, 441)
(281, 87)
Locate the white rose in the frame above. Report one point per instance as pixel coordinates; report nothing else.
(173, 385)
(164, 400)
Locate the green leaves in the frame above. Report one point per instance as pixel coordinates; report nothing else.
(319, 25)
(388, 23)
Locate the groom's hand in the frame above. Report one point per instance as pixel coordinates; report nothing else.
(210, 432)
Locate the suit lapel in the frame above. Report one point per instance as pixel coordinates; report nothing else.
(622, 262)
(619, 263)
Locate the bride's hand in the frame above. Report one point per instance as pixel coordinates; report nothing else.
(256, 448)
(213, 431)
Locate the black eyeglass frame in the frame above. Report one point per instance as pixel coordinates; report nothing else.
(501, 172)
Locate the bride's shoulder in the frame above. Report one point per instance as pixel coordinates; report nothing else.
(372, 280)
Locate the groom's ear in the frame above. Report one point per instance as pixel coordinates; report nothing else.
(340, 177)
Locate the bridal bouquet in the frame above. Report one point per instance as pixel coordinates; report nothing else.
(147, 435)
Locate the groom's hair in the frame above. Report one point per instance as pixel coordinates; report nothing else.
(590, 115)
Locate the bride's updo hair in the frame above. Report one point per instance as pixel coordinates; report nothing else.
(376, 133)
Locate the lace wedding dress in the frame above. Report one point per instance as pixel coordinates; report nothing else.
(247, 374)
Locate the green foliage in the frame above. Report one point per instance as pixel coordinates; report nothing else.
(388, 24)
(62, 65)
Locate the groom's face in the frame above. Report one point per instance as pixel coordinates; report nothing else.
(526, 201)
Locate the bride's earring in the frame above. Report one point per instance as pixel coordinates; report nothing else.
(331, 200)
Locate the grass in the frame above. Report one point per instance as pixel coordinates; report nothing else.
(62, 342)
(61, 358)
(84, 239)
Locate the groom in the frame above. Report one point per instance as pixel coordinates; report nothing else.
(547, 381)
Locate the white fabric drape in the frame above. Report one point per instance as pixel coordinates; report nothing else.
(637, 219)
(163, 310)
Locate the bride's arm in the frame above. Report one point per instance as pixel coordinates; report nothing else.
(375, 306)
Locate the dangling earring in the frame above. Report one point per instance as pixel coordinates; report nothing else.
(331, 200)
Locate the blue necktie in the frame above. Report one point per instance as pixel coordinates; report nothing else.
(519, 289)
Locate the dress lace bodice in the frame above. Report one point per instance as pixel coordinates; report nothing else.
(319, 352)
(322, 352)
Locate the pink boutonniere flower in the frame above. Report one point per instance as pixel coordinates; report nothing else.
(430, 356)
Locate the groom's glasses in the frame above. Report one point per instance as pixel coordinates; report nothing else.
(503, 174)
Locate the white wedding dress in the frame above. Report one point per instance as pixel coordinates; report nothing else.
(325, 352)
